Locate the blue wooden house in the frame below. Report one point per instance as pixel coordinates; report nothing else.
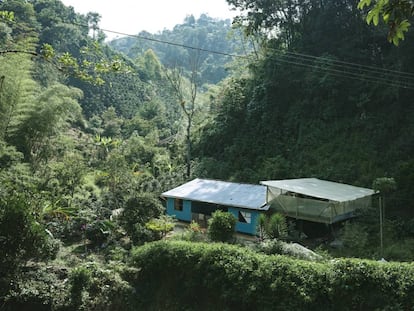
(198, 199)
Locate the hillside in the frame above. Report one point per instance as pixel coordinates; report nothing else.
(335, 104)
(202, 35)
(91, 134)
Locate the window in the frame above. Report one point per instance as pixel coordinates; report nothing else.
(245, 217)
(178, 205)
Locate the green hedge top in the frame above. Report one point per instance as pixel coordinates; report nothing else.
(179, 275)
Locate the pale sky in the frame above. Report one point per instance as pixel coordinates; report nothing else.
(131, 17)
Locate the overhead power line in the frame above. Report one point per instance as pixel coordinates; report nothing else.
(166, 42)
(334, 67)
(349, 64)
(331, 67)
(350, 75)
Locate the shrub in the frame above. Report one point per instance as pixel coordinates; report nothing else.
(99, 231)
(194, 233)
(37, 289)
(80, 279)
(108, 291)
(140, 235)
(161, 225)
(217, 276)
(355, 239)
(274, 227)
(271, 247)
(261, 226)
(277, 227)
(400, 250)
(221, 226)
(22, 238)
(94, 287)
(138, 211)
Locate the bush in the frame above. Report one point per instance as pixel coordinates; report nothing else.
(271, 247)
(80, 279)
(95, 288)
(277, 227)
(261, 227)
(221, 226)
(402, 250)
(193, 233)
(217, 276)
(161, 226)
(92, 286)
(355, 239)
(274, 227)
(22, 238)
(41, 288)
(98, 231)
(141, 235)
(274, 247)
(137, 212)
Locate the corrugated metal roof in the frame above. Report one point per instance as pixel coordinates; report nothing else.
(322, 189)
(221, 192)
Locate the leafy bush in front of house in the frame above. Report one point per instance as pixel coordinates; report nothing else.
(179, 275)
(273, 227)
(221, 226)
(137, 212)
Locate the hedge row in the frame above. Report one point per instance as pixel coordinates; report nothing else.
(178, 275)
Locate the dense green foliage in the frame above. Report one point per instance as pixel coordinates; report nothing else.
(86, 149)
(221, 226)
(222, 277)
(204, 32)
(277, 227)
(296, 115)
(137, 213)
(78, 141)
(395, 14)
(21, 237)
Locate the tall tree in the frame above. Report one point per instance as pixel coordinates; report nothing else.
(47, 115)
(270, 18)
(186, 99)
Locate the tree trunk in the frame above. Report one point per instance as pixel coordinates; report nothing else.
(188, 155)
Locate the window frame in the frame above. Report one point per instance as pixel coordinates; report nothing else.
(244, 217)
(178, 205)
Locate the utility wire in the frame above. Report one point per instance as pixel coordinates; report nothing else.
(341, 70)
(349, 64)
(351, 75)
(334, 67)
(166, 42)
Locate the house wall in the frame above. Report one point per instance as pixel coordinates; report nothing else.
(184, 215)
(243, 227)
